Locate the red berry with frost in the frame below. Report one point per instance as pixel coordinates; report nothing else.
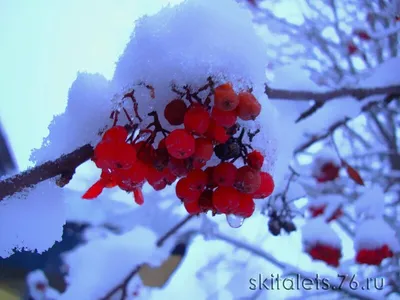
(114, 156)
(175, 111)
(196, 119)
(193, 208)
(329, 254)
(226, 199)
(161, 158)
(224, 174)
(156, 179)
(115, 134)
(203, 150)
(255, 160)
(184, 192)
(249, 108)
(266, 187)
(130, 179)
(197, 180)
(145, 152)
(247, 180)
(225, 98)
(180, 144)
(224, 118)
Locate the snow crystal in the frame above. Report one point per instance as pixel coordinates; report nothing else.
(373, 234)
(371, 203)
(119, 255)
(318, 231)
(87, 112)
(36, 217)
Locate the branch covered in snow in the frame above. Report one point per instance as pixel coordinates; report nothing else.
(358, 93)
(64, 166)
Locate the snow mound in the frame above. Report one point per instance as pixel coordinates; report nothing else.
(317, 231)
(372, 203)
(375, 233)
(36, 217)
(119, 255)
(87, 113)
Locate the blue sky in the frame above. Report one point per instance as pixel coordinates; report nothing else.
(43, 45)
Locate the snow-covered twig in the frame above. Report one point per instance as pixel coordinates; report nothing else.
(358, 93)
(64, 166)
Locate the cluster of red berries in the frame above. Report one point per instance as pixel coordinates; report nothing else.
(329, 254)
(183, 153)
(373, 256)
(318, 210)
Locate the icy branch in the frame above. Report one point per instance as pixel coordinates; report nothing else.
(64, 166)
(358, 93)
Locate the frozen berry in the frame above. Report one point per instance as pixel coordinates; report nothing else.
(266, 187)
(180, 144)
(225, 98)
(224, 174)
(224, 118)
(247, 180)
(203, 150)
(197, 180)
(184, 192)
(196, 119)
(249, 108)
(255, 160)
(226, 199)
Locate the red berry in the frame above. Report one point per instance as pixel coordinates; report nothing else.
(156, 179)
(246, 206)
(352, 48)
(193, 208)
(178, 167)
(180, 144)
(174, 112)
(205, 201)
(224, 174)
(130, 179)
(225, 97)
(145, 152)
(224, 118)
(247, 180)
(184, 192)
(329, 171)
(197, 180)
(196, 119)
(210, 175)
(161, 158)
(203, 150)
(115, 134)
(138, 196)
(249, 108)
(255, 160)
(114, 155)
(94, 191)
(266, 187)
(217, 133)
(226, 199)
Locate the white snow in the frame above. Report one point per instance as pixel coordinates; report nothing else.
(32, 219)
(87, 112)
(372, 203)
(98, 266)
(318, 231)
(38, 286)
(373, 234)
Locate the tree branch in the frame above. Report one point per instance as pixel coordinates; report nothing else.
(64, 166)
(124, 284)
(358, 93)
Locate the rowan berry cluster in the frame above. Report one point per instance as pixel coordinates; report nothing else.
(329, 254)
(201, 128)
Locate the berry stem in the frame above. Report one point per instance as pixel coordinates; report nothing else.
(135, 104)
(157, 127)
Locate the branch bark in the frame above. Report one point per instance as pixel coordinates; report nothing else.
(64, 166)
